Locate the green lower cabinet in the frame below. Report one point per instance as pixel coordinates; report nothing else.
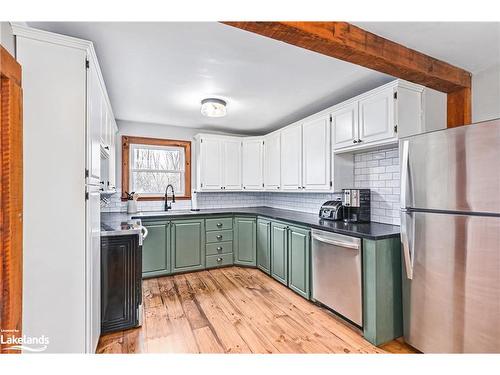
(279, 252)
(245, 241)
(299, 253)
(382, 294)
(156, 250)
(188, 245)
(264, 245)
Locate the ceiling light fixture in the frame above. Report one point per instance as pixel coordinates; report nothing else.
(212, 107)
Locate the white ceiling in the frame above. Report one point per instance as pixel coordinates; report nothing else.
(159, 73)
(473, 46)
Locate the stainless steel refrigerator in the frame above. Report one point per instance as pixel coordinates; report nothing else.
(450, 234)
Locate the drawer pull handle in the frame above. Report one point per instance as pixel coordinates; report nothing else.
(219, 260)
(219, 237)
(219, 248)
(219, 225)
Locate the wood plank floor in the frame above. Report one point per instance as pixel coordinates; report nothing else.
(235, 310)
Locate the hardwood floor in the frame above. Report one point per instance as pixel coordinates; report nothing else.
(234, 310)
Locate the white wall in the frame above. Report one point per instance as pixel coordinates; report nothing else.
(486, 94)
(7, 38)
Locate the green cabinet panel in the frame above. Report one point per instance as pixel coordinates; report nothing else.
(245, 241)
(188, 245)
(219, 236)
(156, 250)
(279, 252)
(219, 223)
(298, 260)
(382, 294)
(264, 245)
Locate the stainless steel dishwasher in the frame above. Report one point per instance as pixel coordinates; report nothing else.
(336, 273)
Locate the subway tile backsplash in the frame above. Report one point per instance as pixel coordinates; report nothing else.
(376, 170)
(379, 171)
(308, 202)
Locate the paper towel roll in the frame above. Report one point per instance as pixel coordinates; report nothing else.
(194, 201)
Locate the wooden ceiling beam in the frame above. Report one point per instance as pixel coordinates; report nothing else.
(350, 43)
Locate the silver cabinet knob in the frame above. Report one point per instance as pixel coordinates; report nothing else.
(219, 260)
(219, 248)
(359, 140)
(219, 225)
(219, 237)
(354, 141)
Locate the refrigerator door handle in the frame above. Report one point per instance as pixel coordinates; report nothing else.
(407, 242)
(405, 176)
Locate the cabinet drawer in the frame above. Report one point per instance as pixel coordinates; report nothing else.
(219, 260)
(219, 223)
(220, 236)
(219, 248)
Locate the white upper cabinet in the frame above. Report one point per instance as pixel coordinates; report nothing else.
(291, 157)
(112, 158)
(272, 161)
(316, 153)
(385, 114)
(94, 122)
(252, 164)
(231, 149)
(345, 125)
(299, 156)
(376, 116)
(211, 164)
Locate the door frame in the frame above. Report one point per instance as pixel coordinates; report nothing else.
(11, 198)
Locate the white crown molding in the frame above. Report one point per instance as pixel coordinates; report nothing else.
(20, 29)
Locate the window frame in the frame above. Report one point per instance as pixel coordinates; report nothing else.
(126, 167)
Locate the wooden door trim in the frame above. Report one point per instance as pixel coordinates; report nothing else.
(350, 43)
(11, 199)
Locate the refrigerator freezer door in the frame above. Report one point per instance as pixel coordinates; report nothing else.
(454, 169)
(452, 304)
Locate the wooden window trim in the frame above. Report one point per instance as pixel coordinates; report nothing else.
(128, 140)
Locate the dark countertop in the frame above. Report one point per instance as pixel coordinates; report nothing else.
(372, 231)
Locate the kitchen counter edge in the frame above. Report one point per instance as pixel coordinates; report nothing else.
(371, 231)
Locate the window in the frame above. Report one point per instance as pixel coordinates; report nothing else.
(150, 164)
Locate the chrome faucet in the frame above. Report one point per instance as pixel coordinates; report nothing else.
(167, 205)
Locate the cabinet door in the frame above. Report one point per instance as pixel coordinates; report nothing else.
(93, 126)
(345, 125)
(252, 164)
(245, 241)
(188, 245)
(291, 158)
(232, 164)
(376, 116)
(279, 252)
(156, 250)
(272, 161)
(298, 260)
(264, 245)
(112, 159)
(211, 164)
(316, 154)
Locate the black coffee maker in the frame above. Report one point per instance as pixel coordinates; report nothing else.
(356, 205)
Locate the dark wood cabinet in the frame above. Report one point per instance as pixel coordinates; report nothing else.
(121, 282)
